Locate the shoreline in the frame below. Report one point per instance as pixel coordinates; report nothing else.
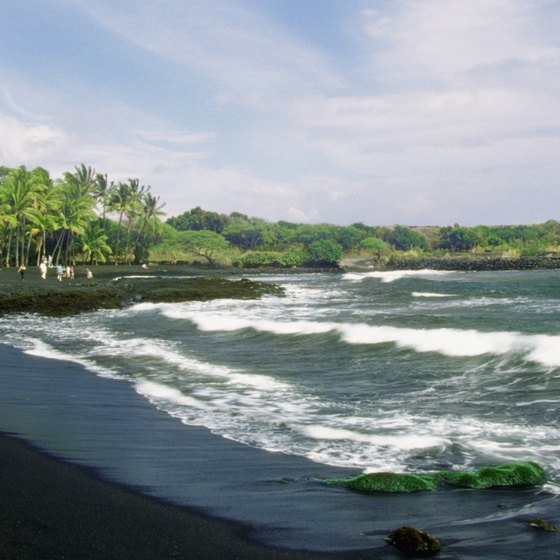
(63, 497)
(208, 494)
(52, 509)
(117, 287)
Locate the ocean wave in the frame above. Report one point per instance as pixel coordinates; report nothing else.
(544, 349)
(430, 295)
(393, 275)
(36, 347)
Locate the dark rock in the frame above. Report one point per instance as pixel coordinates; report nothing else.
(414, 541)
(544, 525)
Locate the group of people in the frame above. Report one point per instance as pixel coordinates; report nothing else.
(61, 272)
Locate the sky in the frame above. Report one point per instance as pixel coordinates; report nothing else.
(411, 112)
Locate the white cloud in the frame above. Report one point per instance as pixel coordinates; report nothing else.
(425, 39)
(22, 143)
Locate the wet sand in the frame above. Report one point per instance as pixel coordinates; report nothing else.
(50, 509)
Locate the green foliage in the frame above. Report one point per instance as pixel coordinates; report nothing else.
(39, 216)
(375, 246)
(274, 259)
(203, 243)
(324, 253)
(458, 238)
(387, 482)
(510, 474)
(519, 474)
(405, 239)
(198, 219)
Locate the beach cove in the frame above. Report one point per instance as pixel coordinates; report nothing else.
(228, 496)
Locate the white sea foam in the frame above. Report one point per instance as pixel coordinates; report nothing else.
(430, 295)
(393, 275)
(544, 349)
(36, 347)
(160, 392)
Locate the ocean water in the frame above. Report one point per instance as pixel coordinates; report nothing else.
(407, 371)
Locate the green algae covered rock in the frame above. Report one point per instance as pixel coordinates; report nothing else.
(544, 525)
(523, 473)
(387, 482)
(414, 541)
(520, 474)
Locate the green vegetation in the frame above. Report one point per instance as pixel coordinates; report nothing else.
(387, 482)
(519, 474)
(85, 218)
(67, 219)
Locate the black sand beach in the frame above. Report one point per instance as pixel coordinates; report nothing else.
(89, 469)
(50, 509)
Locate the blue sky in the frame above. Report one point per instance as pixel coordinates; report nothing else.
(413, 112)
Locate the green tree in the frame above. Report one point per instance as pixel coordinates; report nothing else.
(19, 191)
(94, 246)
(324, 253)
(405, 239)
(204, 244)
(376, 247)
(458, 238)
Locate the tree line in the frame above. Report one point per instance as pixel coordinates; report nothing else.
(67, 218)
(263, 243)
(83, 217)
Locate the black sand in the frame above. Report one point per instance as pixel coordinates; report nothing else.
(53, 510)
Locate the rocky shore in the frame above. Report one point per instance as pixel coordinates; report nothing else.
(118, 286)
(470, 263)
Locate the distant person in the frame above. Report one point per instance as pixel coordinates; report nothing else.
(22, 268)
(43, 270)
(50, 261)
(89, 274)
(59, 272)
(71, 272)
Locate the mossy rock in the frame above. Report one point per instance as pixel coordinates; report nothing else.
(414, 541)
(544, 525)
(520, 474)
(523, 473)
(387, 482)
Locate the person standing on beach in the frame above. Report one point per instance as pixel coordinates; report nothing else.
(59, 273)
(22, 270)
(89, 274)
(43, 269)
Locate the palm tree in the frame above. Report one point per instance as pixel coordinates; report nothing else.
(76, 212)
(119, 202)
(18, 197)
(94, 243)
(149, 219)
(102, 192)
(86, 178)
(48, 203)
(134, 211)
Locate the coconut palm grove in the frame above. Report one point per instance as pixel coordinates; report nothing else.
(83, 217)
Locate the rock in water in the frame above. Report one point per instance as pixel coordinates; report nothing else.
(414, 541)
(522, 473)
(387, 482)
(544, 525)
